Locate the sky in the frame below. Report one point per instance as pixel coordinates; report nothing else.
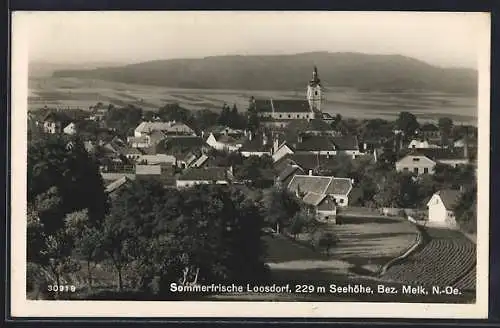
(442, 39)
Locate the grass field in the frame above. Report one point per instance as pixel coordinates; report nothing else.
(345, 101)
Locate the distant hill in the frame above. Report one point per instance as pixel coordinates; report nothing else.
(290, 72)
(47, 69)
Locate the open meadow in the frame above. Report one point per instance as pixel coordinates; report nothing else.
(348, 102)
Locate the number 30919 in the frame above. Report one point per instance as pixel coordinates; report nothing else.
(61, 288)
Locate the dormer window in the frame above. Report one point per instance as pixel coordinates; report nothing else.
(416, 159)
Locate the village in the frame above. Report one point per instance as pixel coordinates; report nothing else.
(341, 169)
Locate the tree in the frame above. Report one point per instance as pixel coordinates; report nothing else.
(297, 224)
(279, 207)
(407, 122)
(87, 240)
(253, 117)
(224, 116)
(62, 163)
(466, 209)
(205, 118)
(445, 125)
(396, 190)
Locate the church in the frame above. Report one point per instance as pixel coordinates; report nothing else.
(280, 112)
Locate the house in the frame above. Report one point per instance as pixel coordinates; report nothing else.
(55, 121)
(147, 169)
(138, 142)
(112, 188)
(257, 145)
(225, 142)
(157, 159)
(416, 163)
(311, 127)
(338, 188)
(286, 175)
(308, 161)
(328, 145)
(325, 206)
(282, 150)
(168, 128)
(451, 157)
(120, 148)
(210, 175)
(441, 208)
(421, 144)
(199, 162)
(429, 130)
(179, 146)
(70, 129)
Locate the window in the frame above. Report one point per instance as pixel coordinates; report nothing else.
(289, 116)
(341, 201)
(280, 115)
(415, 170)
(416, 159)
(298, 116)
(426, 170)
(315, 93)
(405, 169)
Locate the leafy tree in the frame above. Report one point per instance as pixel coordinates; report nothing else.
(279, 207)
(466, 209)
(63, 163)
(407, 122)
(396, 190)
(124, 119)
(224, 116)
(253, 117)
(205, 118)
(445, 125)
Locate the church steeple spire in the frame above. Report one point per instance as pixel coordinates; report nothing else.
(315, 77)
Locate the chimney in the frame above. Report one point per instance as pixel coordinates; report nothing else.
(250, 136)
(310, 172)
(202, 134)
(375, 155)
(299, 138)
(231, 170)
(226, 131)
(264, 139)
(364, 146)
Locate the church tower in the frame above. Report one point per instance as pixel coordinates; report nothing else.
(314, 95)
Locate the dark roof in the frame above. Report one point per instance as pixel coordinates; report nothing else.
(180, 144)
(306, 161)
(263, 105)
(282, 105)
(291, 105)
(316, 143)
(428, 127)
(449, 197)
(346, 142)
(256, 144)
(309, 125)
(320, 184)
(289, 170)
(57, 116)
(204, 174)
(437, 154)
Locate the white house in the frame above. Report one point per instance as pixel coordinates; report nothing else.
(282, 151)
(338, 188)
(139, 142)
(224, 142)
(421, 144)
(441, 208)
(417, 164)
(258, 145)
(157, 159)
(325, 206)
(172, 127)
(70, 129)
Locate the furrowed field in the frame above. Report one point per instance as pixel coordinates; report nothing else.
(345, 101)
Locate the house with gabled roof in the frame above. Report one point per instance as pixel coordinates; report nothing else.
(112, 188)
(257, 145)
(441, 208)
(55, 121)
(225, 142)
(209, 175)
(179, 146)
(338, 188)
(287, 174)
(324, 204)
(167, 128)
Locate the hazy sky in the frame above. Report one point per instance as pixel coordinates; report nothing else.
(438, 38)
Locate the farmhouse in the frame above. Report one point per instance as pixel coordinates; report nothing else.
(168, 128)
(429, 130)
(55, 121)
(325, 205)
(418, 164)
(70, 129)
(113, 188)
(421, 144)
(211, 175)
(441, 208)
(287, 174)
(338, 188)
(257, 145)
(225, 142)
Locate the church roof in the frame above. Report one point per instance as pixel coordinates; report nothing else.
(282, 105)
